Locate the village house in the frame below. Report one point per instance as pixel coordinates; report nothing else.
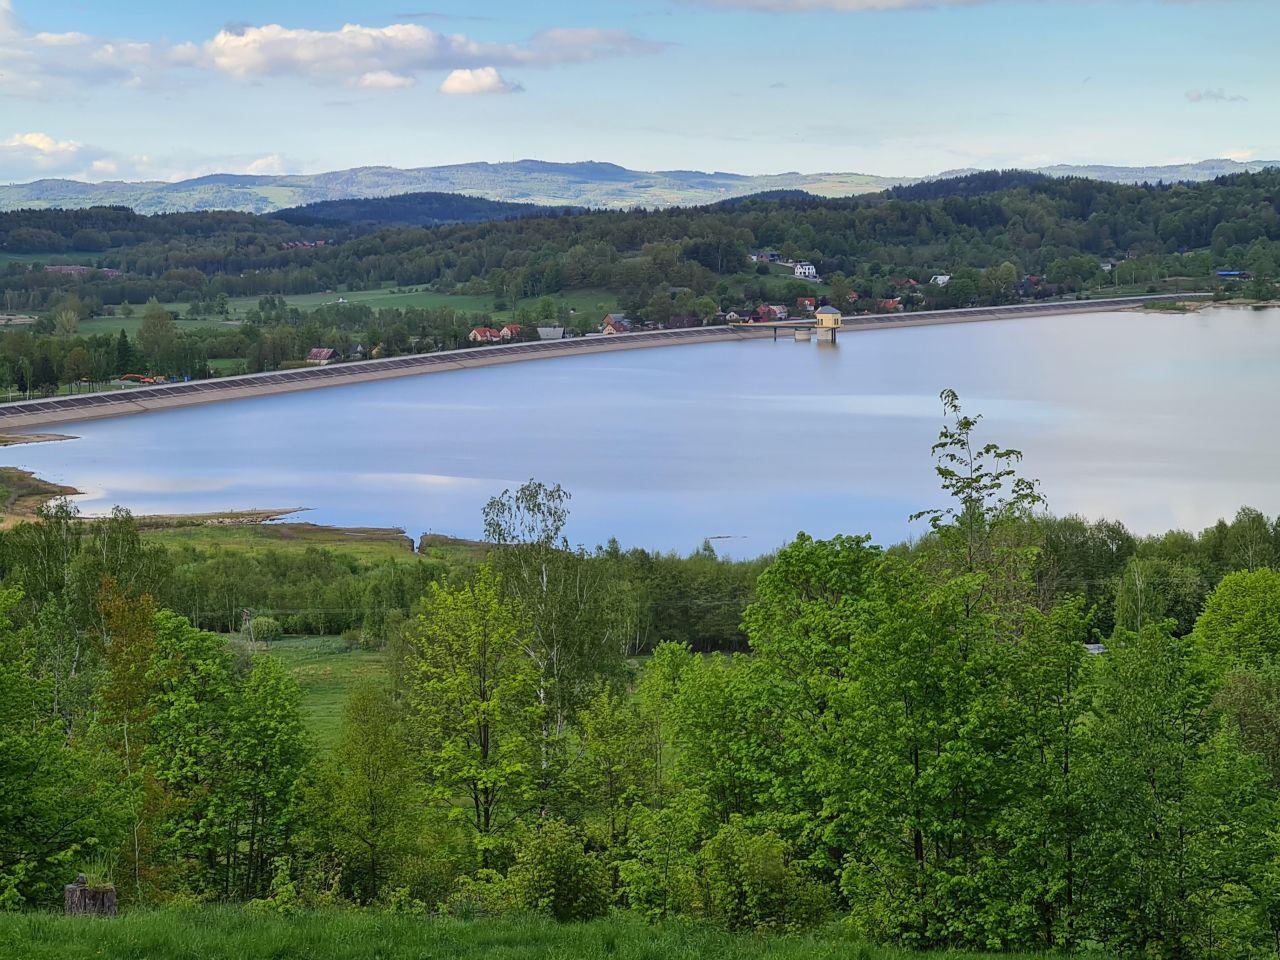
(771, 313)
(806, 271)
(484, 335)
(510, 331)
(322, 356)
(615, 323)
(893, 304)
(766, 256)
(807, 304)
(941, 280)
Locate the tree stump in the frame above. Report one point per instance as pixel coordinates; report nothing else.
(80, 899)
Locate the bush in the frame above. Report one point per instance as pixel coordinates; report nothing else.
(749, 884)
(265, 629)
(554, 874)
(487, 894)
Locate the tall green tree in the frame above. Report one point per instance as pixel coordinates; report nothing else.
(476, 712)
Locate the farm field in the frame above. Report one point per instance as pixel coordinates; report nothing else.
(231, 933)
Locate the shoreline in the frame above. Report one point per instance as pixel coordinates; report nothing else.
(37, 413)
(16, 439)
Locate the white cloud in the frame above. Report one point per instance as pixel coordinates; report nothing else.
(372, 58)
(1218, 95)
(390, 57)
(35, 155)
(39, 155)
(41, 143)
(384, 80)
(272, 164)
(481, 80)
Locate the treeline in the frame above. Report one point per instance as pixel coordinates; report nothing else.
(53, 352)
(426, 209)
(954, 744)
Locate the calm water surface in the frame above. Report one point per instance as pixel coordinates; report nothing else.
(1157, 420)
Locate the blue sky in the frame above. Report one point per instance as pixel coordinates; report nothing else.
(111, 89)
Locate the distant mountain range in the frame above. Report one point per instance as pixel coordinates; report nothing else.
(586, 184)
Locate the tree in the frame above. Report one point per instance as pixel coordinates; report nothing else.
(158, 337)
(1176, 808)
(567, 627)
(266, 750)
(55, 802)
(124, 353)
(1152, 589)
(1240, 624)
(475, 707)
(618, 759)
(368, 792)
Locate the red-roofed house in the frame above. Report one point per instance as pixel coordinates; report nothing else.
(615, 323)
(510, 331)
(322, 356)
(893, 304)
(484, 335)
(807, 304)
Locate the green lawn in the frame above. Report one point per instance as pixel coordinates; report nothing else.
(327, 673)
(231, 933)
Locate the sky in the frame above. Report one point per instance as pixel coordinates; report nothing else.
(143, 89)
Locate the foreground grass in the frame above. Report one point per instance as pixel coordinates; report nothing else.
(236, 934)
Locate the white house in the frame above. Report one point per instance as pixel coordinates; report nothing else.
(806, 271)
(941, 280)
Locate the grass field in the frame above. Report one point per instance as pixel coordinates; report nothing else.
(327, 673)
(229, 933)
(388, 297)
(374, 543)
(131, 325)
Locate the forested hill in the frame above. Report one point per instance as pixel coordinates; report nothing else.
(656, 262)
(412, 210)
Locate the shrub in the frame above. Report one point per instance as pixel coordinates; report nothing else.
(487, 894)
(265, 629)
(748, 883)
(554, 874)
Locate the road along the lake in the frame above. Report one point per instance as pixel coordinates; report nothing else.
(26, 414)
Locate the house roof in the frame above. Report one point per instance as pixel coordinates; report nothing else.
(828, 311)
(322, 353)
(512, 328)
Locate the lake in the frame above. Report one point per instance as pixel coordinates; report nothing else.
(1158, 420)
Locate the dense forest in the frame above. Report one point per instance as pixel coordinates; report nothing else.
(999, 237)
(1019, 732)
(413, 210)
